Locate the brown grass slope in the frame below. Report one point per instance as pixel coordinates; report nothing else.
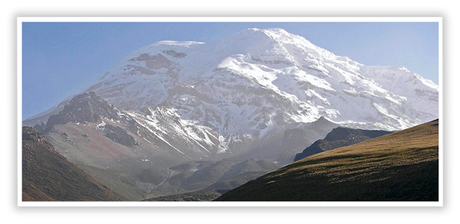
(402, 166)
(48, 176)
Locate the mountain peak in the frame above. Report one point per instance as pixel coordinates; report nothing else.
(271, 35)
(268, 31)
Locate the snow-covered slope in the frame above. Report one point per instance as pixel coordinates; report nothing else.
(247, 89)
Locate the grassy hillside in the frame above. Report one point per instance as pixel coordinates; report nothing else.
(48, 176)
(402, 166)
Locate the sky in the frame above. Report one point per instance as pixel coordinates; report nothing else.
(60, 59)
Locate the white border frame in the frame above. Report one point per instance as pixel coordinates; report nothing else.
(208, 204)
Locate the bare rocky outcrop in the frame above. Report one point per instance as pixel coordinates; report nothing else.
(119, 135)
(86, 107)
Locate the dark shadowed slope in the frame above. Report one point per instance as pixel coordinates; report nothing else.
(339, 137)
(402, 166)
(48, 176)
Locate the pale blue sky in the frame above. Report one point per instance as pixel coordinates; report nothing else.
(60, 59)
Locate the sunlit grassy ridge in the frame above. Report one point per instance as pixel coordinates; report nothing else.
(394, 167)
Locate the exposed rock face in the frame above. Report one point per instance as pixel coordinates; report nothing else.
(119, 135)
(90, 108)
(339, 137)
(86, 107)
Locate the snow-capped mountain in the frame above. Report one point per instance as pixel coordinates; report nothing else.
(259, 81)
(244, 91)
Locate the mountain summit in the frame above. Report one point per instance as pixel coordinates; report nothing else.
(269, 75)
